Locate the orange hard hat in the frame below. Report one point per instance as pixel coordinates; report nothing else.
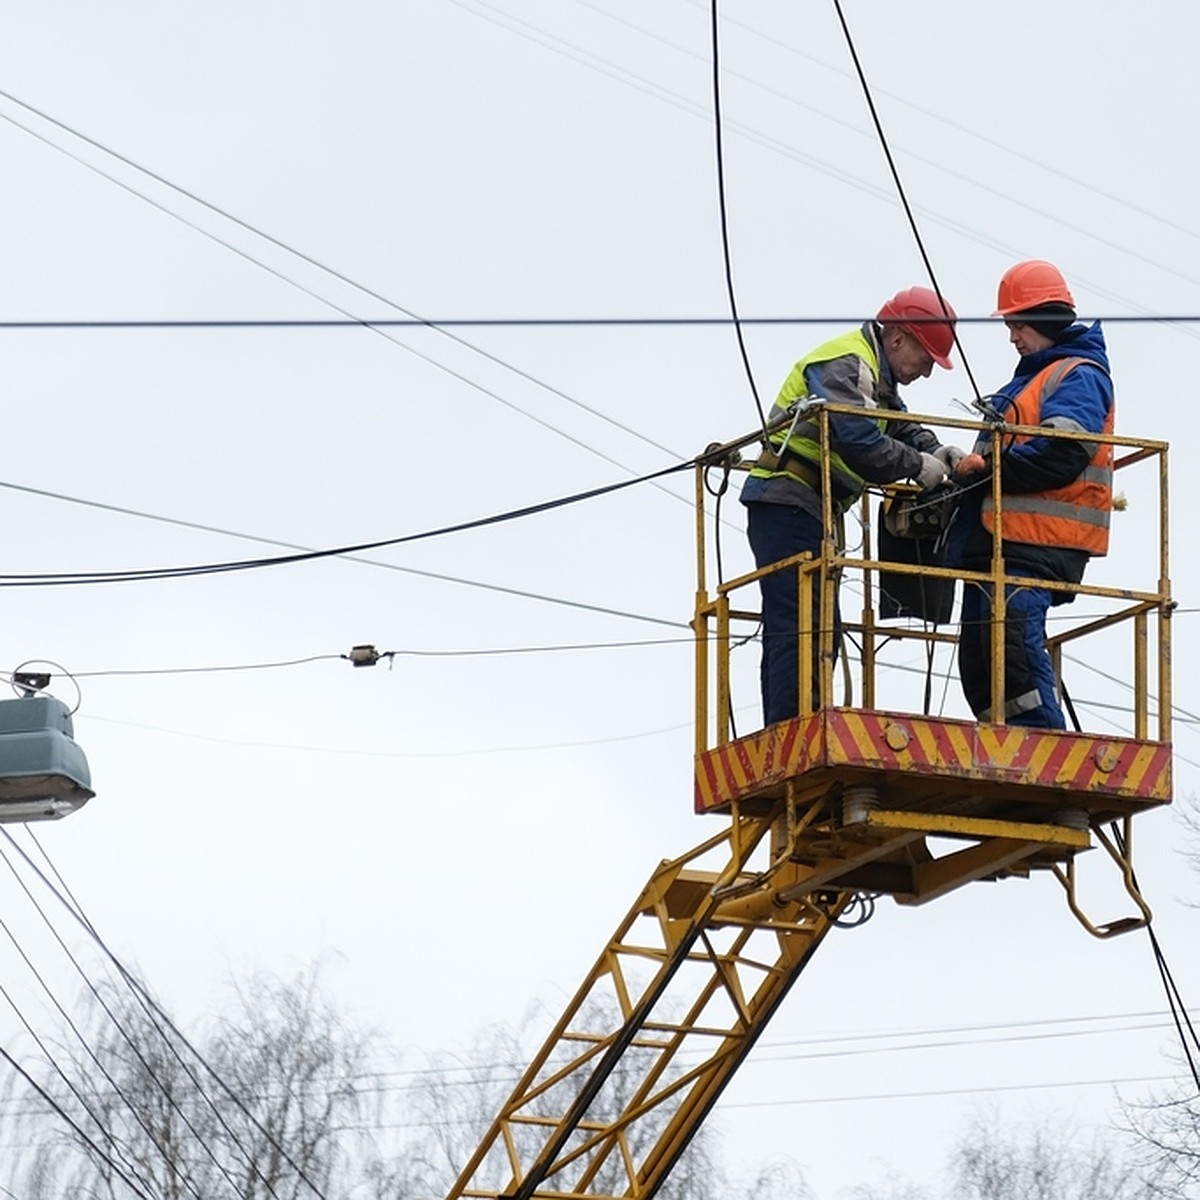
(921, 312)
(1030, 285)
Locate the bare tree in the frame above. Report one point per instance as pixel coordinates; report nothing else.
(1169, 1132)
(274, 1100)
(456, 1097)
(1048, 1163)
(1168, 1126)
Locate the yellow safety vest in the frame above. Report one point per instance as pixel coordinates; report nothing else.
(804, 443)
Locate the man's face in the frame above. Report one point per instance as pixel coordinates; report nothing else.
(906, 356)
(1026, 339)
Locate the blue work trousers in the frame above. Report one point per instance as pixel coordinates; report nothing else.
(779, 531)
(1030, 688)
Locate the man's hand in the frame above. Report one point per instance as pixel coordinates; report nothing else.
(932, 472)
(970, 464)
(951, 456)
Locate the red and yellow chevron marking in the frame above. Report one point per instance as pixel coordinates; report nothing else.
(879, 741)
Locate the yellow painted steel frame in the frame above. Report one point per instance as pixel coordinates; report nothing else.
(823, 812)
(1081, 761)
(714, 614)
(667, 1013)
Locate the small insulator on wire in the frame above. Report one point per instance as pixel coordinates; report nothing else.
(364, 656)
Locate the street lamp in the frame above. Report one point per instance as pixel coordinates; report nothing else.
(43, 773)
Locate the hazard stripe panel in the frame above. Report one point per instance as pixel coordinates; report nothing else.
(931, 747)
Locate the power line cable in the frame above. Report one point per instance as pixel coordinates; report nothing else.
(472, 751)
(56, 1067)
(391, 1083)
(80, 1132)
(557, 45)
(232, 323)
(481, 652)
(927, 1094)
(724, 218)
(931, 1093)
(151, 1136)
(908, 212)
(1179, 1010)
(156, 1014)
(331, 272)
(941, 117)
(147, 1067)
(370, 562)
(213, 670)
(49, 579)
(1123, 247)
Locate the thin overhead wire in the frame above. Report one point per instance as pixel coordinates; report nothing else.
(943, 117)
(163, 1023)
(218, 323)
(369, 562)
(908, 212)
(725, 255)
(1122, 245)
(95, 1058)
(1180, 1014)
(329, 271)
(74, 578)
(82, 1134)
(527, 30)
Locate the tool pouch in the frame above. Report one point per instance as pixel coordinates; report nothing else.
(911, 533)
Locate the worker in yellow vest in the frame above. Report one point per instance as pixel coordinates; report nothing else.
(1056, 493)
(864, 367)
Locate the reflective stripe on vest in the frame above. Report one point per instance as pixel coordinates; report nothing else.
(1076, 516)
(805, 440)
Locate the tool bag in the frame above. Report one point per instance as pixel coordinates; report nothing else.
(911, 533)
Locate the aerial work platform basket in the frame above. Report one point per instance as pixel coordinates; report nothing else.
(860, 786)
(855, 798)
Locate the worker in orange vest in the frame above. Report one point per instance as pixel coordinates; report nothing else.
(1056, 493)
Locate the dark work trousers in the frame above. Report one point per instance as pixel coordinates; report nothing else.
(1030, 689)
(778, 531)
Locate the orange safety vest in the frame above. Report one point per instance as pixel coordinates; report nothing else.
(1075, 516)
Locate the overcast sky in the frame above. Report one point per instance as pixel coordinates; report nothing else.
(464, 825)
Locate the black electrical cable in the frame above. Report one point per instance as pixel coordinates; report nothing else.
(658, 92)
(790, 98)
(912, 220)
(155, 1013)
(213, 670)
(136, 576)
(529, 323)
(83, 1136)
(940, 115)
(312, 262)
(369, 562)
(485, 652)
(737, 325)
(146, 1066)
(96, 1119)
(1175, 1002)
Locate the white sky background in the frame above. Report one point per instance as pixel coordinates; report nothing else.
(465, 832)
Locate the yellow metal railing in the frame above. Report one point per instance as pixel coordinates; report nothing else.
(727, 611)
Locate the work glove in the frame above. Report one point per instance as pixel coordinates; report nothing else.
(951, 456)
(932, 472)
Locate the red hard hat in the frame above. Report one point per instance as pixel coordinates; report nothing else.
(1030, 285)
(923, 313)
